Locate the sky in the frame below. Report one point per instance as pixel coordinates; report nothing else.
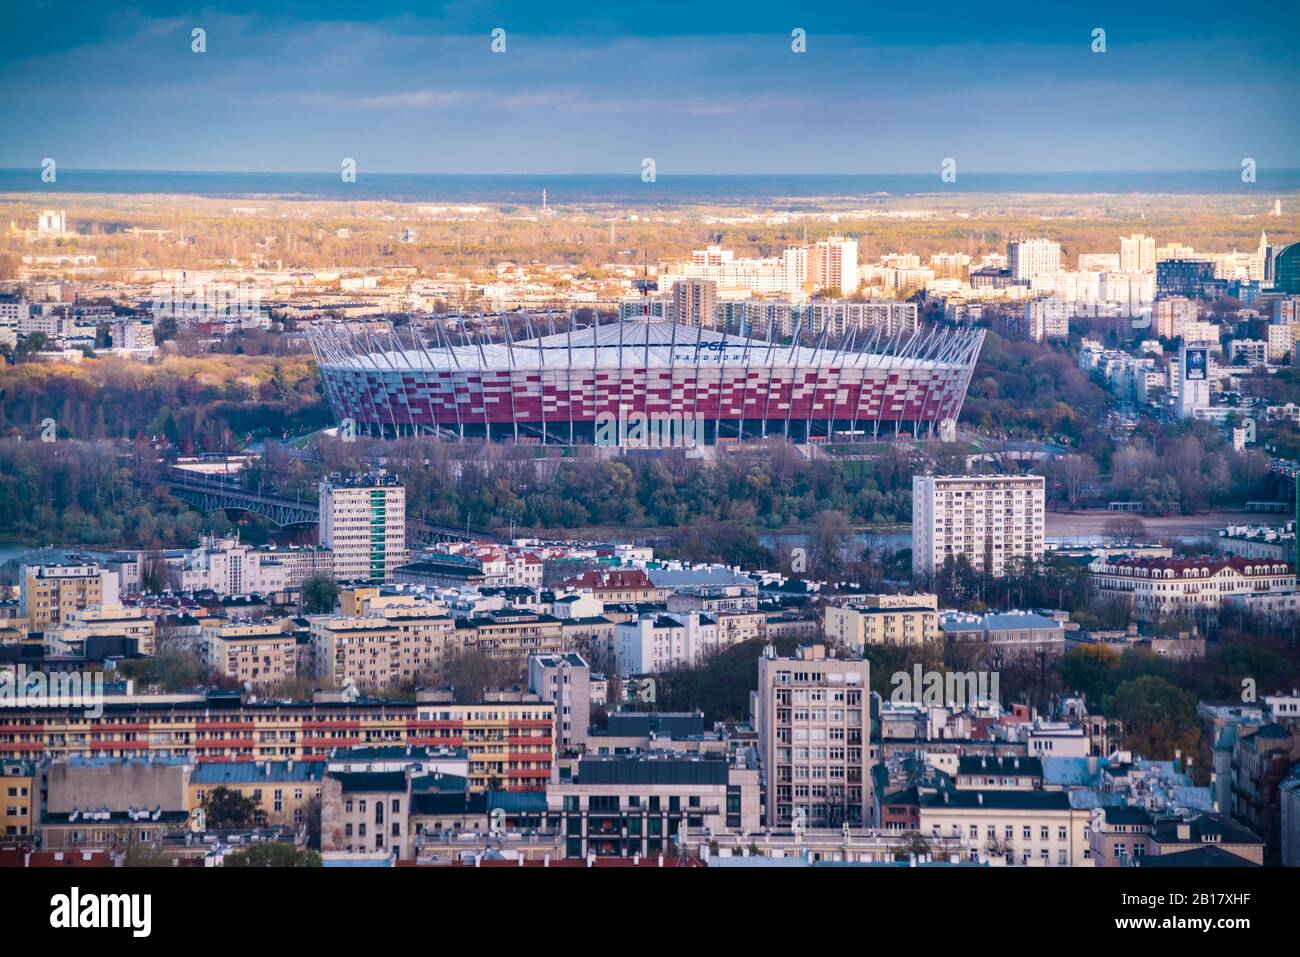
(700, 87)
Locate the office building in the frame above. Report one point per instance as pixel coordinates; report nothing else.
(1193, 378)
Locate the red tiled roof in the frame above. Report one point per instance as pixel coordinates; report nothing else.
(616, 578)
(1215, 565)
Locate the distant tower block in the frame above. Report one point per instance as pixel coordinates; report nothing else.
(51, 222)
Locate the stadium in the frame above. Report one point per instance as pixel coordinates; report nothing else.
(558, 388)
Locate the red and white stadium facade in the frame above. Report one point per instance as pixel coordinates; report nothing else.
(557, 388)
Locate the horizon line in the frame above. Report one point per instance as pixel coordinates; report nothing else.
(636, 172)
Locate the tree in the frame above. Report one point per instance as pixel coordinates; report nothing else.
(319, 595)
(1159, 718)
(1090, 670)
(469, 673)
(272, 854)
(153, 573)
(1126, 530)
(829, 542)
(1073, 474)
(311, 817)
(916, 844)
(228, 810)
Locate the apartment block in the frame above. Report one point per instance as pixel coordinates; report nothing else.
(1033, 828)
(565, 681)
(991, 519)
(510, 738)
(388, 648)
(260, 653)
(19, 798)
(814, 731)
(883, 620)
(643, 805)
(282, 790)
(49, 594)
(510, 635)
(363, 522)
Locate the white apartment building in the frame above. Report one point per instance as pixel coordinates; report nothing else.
(757, 316)
(51, 222)
(13, 311)
(1047, 319)
(1282, 340)
(991, 519)
(1137, 253)
(814, 734)
(784, 275)
(229, 567)
(363, 522)
(1030, 258)
(656, 643)
(1171, 313)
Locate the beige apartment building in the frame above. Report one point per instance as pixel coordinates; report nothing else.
(49, 594)
(403, 646)
(363, 523)
(261, 653)
(510, 635)
(564, 681)
(510, 736)
(814, 732)
(1032, 828)
(695, 302)
(737, 626)
(884, 620)
(991, 519)
(88, 622)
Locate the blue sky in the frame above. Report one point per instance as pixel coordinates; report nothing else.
(700, 87)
